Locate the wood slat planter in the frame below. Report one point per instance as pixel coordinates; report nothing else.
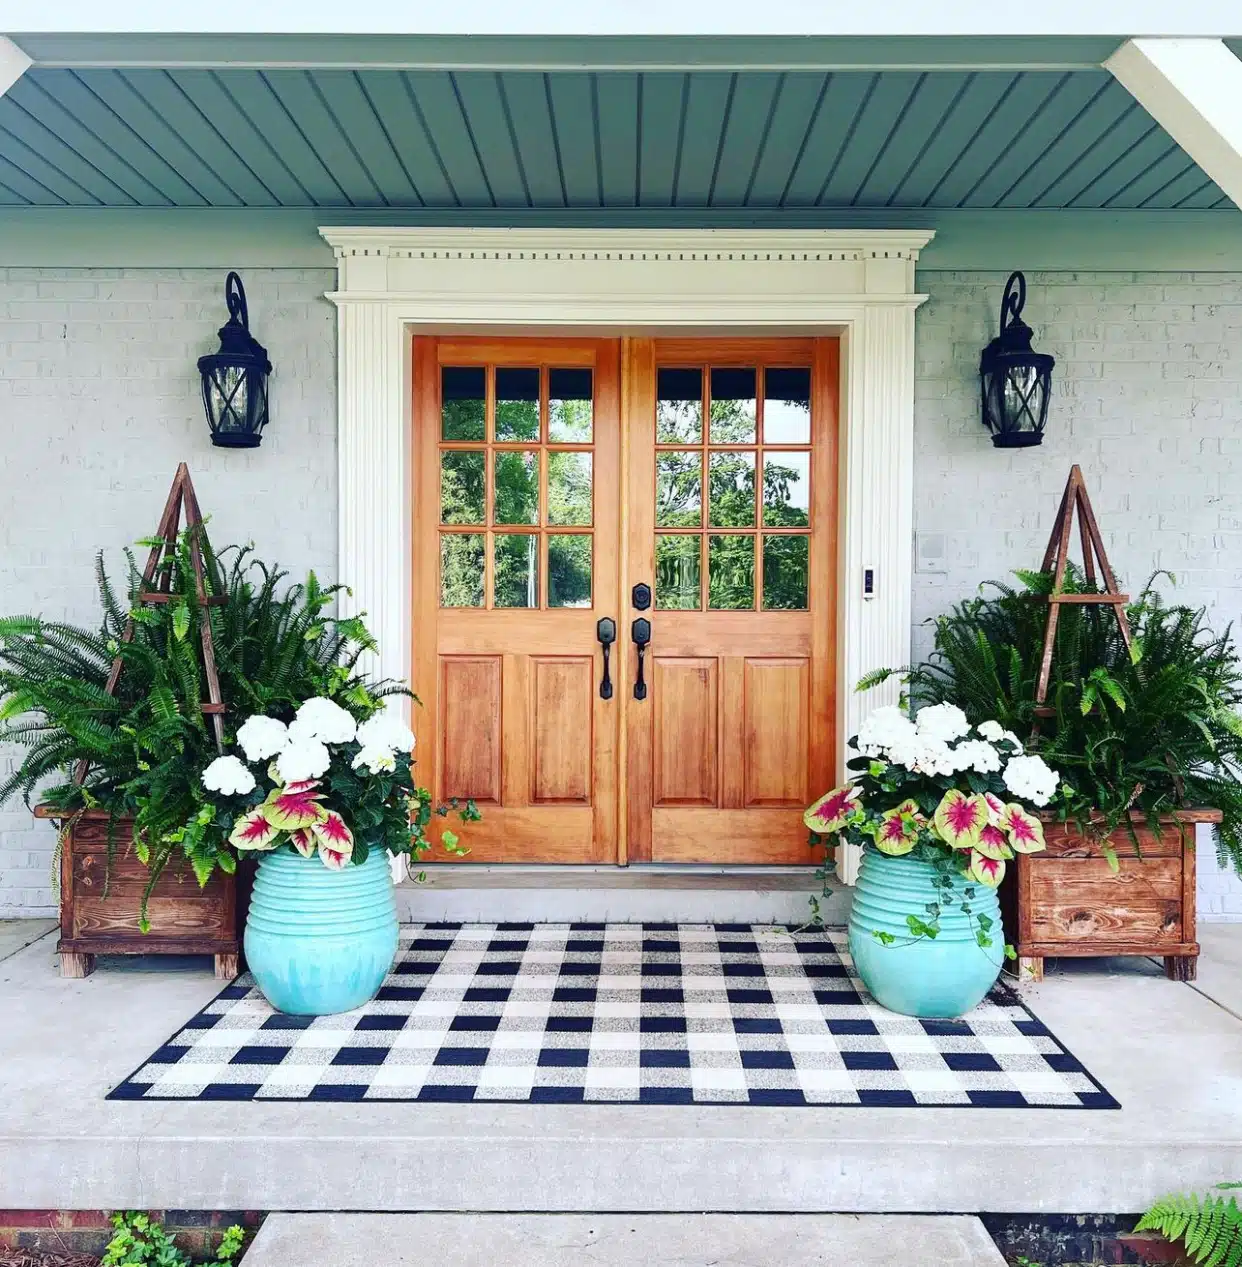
(1067, 901)
(185, 919)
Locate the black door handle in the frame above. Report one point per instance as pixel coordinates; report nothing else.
(606, 632)
(640, 631)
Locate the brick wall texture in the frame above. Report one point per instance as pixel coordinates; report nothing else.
(99, 401)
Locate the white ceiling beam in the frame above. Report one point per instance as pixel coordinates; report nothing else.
(1193, 89)
(13, 64)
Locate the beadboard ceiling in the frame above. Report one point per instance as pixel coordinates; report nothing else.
(481, 139)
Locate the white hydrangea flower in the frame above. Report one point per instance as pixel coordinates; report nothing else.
(262, 737)
(975, 754)
(386, 730)
(882, 729)
(322, 719)
(1030, 779)
(1013, 739)
(375, 760)
(945, 722)
(990, 730)
(228, 776)
(299, 761)
(923, 755)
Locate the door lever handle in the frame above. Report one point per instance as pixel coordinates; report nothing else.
(606, 632)
(640, 631)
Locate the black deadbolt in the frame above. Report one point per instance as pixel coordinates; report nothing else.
(640, 595)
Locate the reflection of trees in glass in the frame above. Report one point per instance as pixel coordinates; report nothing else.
(569, 489)
(517, 487)
(678, 572)
(461, 487)
(784, 486)
(731, 490)
(785, 573)
(461, 569)
(678, 491)
(731, 573)
(515, 575)
(569, 570)
(569, 421)
(462, 420)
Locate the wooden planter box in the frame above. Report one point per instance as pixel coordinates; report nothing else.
(184, 919)
(1068, 901)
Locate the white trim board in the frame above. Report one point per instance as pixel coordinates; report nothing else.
(858, 284)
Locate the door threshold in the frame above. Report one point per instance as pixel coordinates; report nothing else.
(515, 893)
(509, 875)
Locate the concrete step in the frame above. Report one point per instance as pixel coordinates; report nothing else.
(725, 895)
(623, 1240)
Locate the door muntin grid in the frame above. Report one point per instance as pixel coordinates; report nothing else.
(733, 496)
(516, 486)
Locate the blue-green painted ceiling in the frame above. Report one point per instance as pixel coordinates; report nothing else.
(477, 139)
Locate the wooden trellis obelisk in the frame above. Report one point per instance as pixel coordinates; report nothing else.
(1056, 559)
(156, 588)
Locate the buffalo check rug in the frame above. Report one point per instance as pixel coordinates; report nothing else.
(619, 1014)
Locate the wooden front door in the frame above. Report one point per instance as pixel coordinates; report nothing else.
(732, 477)
(544, 504)
(517, 531)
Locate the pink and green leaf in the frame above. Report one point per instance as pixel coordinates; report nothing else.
(829, 813)
(334, 859)
(991, 842)
(897, 832)
(254, 831)
(996, 809)
(293, 807)
(331, 831)
(960, 818)
(304, 841)
(1026, 832)
(988, 871)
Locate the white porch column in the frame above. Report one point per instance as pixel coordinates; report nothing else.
(1193, 89)
(878, 524)
(13, 64)
(374, 498)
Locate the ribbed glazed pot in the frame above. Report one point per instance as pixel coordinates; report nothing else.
(320, 941)
(943, 976)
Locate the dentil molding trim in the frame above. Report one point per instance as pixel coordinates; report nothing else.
(859, 284)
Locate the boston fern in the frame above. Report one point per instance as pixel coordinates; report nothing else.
(1148, 730)
(144, 746)
(1210, 1228)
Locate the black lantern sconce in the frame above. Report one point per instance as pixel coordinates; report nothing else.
(1016, 381)
(235, 378)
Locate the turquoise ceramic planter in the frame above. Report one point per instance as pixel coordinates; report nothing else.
(320, 941)
(939, 977)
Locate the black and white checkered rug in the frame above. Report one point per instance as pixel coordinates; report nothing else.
(619, 1013)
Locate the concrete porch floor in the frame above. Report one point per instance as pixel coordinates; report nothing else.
(1170, 1052)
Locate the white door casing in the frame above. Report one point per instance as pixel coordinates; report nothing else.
(392, 282)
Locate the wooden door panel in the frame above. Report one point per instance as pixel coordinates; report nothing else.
(775, 705)
(684, 700)
(561, 725)
(470, 727)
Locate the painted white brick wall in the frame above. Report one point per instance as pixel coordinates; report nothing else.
(1147, 400)
(99, 401)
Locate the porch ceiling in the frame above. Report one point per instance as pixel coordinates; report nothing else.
(514, 139)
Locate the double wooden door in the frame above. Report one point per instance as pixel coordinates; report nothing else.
(685, 490)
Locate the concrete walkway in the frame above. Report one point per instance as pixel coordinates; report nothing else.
(1171, 1054)
(17, 934)
(617, 1240)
